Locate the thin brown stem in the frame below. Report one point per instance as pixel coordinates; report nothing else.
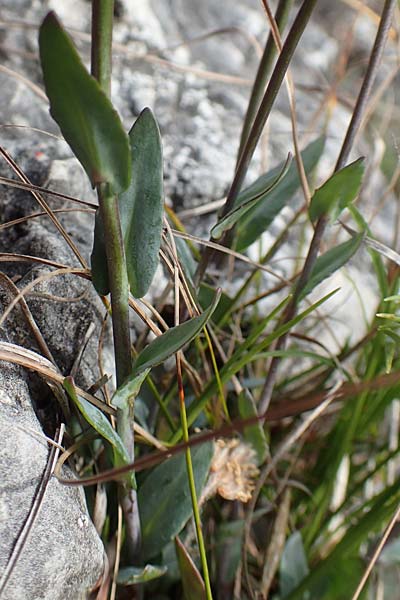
(353, 128)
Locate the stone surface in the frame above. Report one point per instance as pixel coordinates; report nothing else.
(63, 555)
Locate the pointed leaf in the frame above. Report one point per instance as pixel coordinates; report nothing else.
(173, 340)
(129, 390)
(141, 212)
(330, 262)
(83, 112)
(141, 205)
(134, 575)
(338, 192)
(164, 498)
(258, 219)
(241, 209)
(191, 579)
(97, 420)
(253, 434)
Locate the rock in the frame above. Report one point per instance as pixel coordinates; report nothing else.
(63, 556)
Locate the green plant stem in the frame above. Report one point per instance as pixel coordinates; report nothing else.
(353, 128)
(264, 110)
(264, 69)
(192, 485)
(119, 286)
(102, 22)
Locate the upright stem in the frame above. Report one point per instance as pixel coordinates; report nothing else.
(263, 71)
(263, 112)
(353, 128)
(118, 279)
(102, 21)
(274, 85)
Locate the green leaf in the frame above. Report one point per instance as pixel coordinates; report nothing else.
(191, 579)
(241, 209)
(330, 262)
(165, 503)
(140, 209)
(188, 263)
(129, 390)
(133, 575)
(98, 258)
(257, 219)
(83, 112)
(205, 296)
(293, 568)
(253, 434)
(97, 420)
(338, 191)
(173, 340)
(141, 205)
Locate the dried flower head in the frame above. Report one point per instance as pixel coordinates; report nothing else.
(233, 471)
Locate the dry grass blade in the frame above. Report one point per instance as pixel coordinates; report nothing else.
(225, 250)
(31, 360)
(12, 257)
(35, 89)
(34, 511)
(362, 8)
(29, 317)
(292, 103)
(25, 128)
(32, 284)
(37, 215)
(43, 204)
(376, 554)
(37, 188)
(288, 407)
(277, 543)
(384, 250)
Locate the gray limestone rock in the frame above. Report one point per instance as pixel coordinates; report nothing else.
(63, 555)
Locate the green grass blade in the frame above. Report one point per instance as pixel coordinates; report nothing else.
(235, 362)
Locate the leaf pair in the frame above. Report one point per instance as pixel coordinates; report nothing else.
(131, 166)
